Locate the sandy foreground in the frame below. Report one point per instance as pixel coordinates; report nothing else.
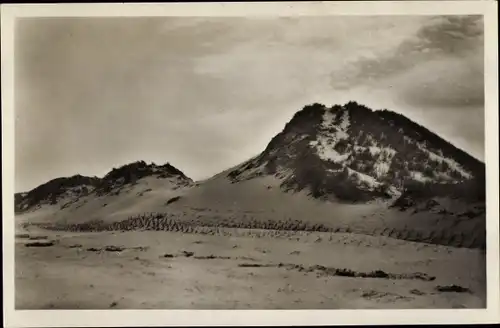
(242, 269)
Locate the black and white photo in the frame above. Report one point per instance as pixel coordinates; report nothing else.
(252, 162)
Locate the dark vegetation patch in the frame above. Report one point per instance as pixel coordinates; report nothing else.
(473, 190)
(51, 191)
(41, 244)
(374, 294)
(371, 293)
(191, 255)
(38, 237)
(112, 248)
(247, 258)
(172, 200)
(416, 292)
(343, 272)
(255, 265)
(453, 289)
(140, 248)
(75, 246)
(141, 193)
(422, 134)
(131, 173)
(210, 257)
(290, 150)
(210, 225)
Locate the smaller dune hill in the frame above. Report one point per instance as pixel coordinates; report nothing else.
(55, 191)
(131, 188)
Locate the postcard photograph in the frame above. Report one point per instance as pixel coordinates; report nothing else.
(251, 162)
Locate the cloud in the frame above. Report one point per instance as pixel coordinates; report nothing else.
(442, 37)
(453, 35)
(447, 83)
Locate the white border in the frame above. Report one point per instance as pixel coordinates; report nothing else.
(106, 318)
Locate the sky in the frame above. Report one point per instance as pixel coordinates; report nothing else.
(207, 93)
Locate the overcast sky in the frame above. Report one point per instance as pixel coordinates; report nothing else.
(206, 94)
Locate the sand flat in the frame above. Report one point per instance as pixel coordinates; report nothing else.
(240, 269)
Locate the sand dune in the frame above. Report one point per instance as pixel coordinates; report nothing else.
(242, 269)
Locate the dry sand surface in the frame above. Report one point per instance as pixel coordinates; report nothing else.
(241, 269)
(217, 200)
